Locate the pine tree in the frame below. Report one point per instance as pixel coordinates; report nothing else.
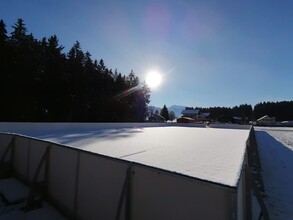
(3, 46)
(5, 65)
(165, 113)
(19, 33)
(3, 33)
(24, 50)
(54, 81)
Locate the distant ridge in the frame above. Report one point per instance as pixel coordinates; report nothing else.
(281, 110)
(177, 109)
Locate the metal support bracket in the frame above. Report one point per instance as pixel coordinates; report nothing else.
(125, 193)
(31, 202)
(6, 166)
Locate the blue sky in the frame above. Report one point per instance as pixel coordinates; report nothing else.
(211, 53)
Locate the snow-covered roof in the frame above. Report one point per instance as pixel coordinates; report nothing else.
(210, 154)
(287, 122)
(263, 117)
(157, 116)
(206, 114)
(190, 112)
(192, 119)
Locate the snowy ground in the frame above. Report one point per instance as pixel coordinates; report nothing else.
(13, 200)
(276, 155)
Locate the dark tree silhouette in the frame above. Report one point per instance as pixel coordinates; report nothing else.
(283, 111)
(19, 33)
(3, 32)
(165, 113)
(225, 114)
(5, 64)
(39, 82)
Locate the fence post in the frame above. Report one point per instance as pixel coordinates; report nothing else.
(30, 203)
(6, 167)
(125, 193)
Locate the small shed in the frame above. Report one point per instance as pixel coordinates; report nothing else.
(185, 120)
(190, 113)
(266, 121)
(156, 118)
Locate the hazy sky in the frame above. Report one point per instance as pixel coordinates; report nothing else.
(211, 53)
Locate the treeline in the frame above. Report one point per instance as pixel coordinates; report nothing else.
(39, 82)
(243, 111)
(283, 111)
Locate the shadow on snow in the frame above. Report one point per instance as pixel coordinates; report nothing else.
(276, 160)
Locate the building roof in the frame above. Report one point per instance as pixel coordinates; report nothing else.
(190, 112)
(157, 116)
(185, 120)
(202, 153)
(206, 114)
(263, 117)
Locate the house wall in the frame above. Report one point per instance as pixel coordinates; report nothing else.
(266, 121)
(88, 186)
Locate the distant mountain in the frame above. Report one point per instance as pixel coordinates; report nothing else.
(153, 109)
(177, 109)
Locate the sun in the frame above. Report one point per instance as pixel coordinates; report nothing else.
(153, 79)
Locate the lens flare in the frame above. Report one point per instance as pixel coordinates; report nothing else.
(127, 92)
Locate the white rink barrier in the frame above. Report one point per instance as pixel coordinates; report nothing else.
(84, 185)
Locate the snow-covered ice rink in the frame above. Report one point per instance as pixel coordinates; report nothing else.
(211, 154)
(200, 161)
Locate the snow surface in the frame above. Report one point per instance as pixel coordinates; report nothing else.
(16, 193)
(210, 154)
(14, 190)
(276, 155)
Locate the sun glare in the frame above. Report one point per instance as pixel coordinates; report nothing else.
(153, 79)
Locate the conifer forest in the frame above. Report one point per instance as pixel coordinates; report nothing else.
(39, 82)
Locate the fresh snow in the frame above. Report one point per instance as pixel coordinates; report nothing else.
(14, 190)
(210, 154)
(282, 134)
(276, 155)
(16, 193)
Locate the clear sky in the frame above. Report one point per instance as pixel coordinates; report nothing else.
(211, 53)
